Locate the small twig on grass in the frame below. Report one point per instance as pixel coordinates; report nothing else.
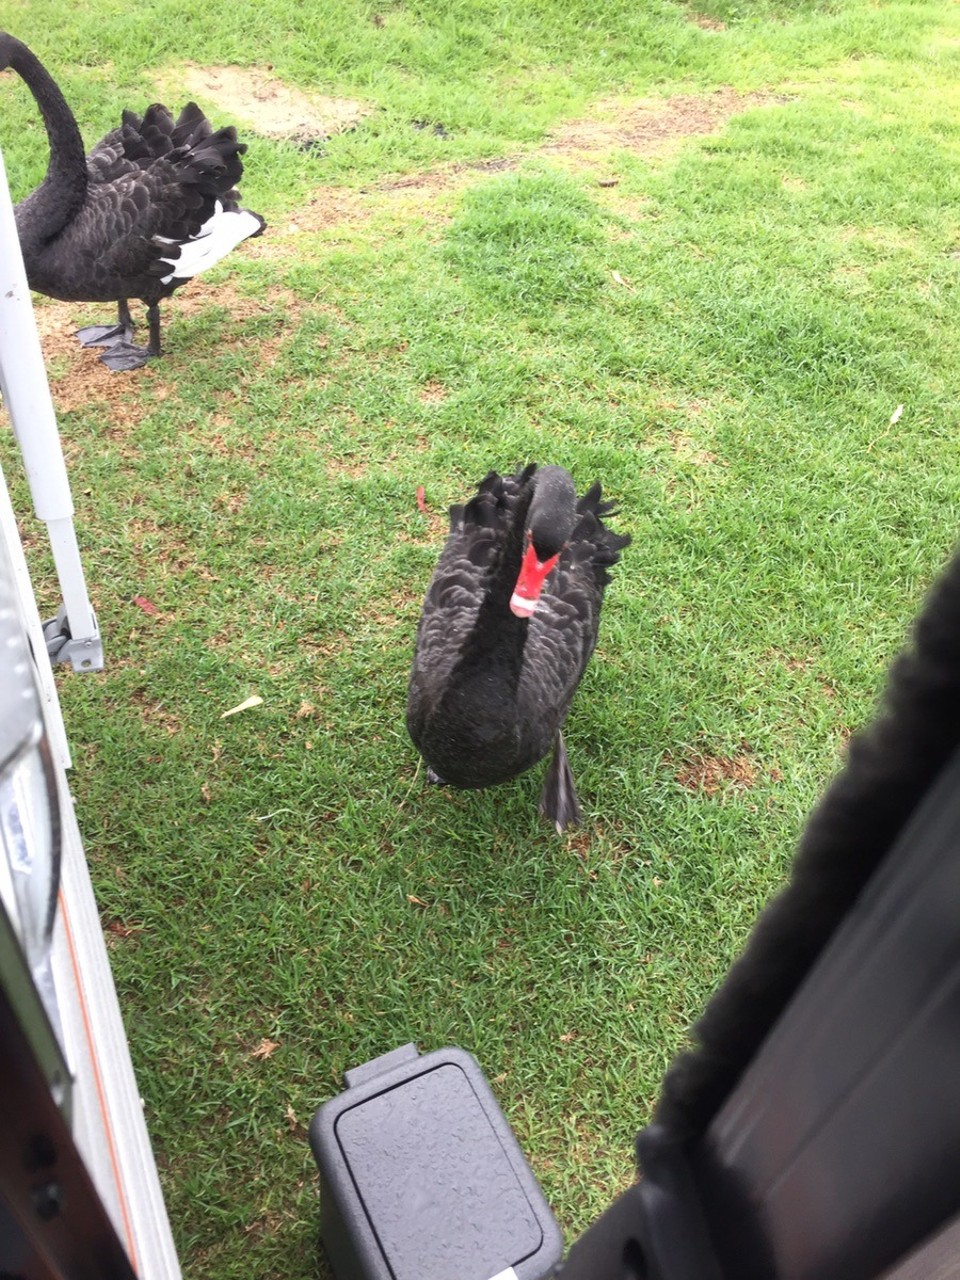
(401, 805)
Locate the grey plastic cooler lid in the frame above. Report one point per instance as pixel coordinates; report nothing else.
(422, 1178)
(439, 1190)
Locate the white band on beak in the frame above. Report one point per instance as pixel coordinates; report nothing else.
(521, 606)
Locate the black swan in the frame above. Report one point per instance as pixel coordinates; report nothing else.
(508, 625)
(152, 205)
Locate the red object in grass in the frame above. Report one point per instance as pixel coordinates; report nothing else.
(421, 500)
(146, 605)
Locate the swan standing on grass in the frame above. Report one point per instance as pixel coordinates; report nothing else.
(509, 623)
(152, 206)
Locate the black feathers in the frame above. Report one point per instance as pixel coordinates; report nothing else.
(489, 690)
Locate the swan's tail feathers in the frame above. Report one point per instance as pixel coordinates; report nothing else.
(188, 151)
(218, 235)
(213, 161)
(191, 126)
(496, 499)
(595, 542)
(558, 799)
(192, 143)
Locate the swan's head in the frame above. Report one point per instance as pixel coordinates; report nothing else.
(550, 523)
(534, 572)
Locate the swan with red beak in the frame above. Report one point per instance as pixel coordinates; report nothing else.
(507, 629)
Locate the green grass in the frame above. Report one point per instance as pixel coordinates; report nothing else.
(722, 338)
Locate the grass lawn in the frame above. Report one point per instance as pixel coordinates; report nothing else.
(702, 254)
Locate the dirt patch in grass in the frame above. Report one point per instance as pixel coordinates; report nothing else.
(351, 467)
(399, 608)
(57, 323)
(202, 293)
(117, 931)
(264, 102)
(686, 450)
(333, 209)
(442, 179)
(712, 774)
(328, 207)
(162, 552)
(647, 125)
(408, 197)
(155, 716)
(706, 23)
(78, 379)
(432, 392)
(789, 661)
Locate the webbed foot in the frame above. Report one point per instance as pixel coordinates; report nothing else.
(104, 335)
(123, 356)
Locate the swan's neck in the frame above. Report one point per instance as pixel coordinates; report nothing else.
(60, 196)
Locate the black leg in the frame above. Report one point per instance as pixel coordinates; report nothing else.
(123, 356)
(558, 800)
(153, 316)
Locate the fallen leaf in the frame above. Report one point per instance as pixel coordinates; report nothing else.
(265, 1048)
(421, 500)
(417, 902)
(619, 279)
(247, 703)
(896, 415)
(122, 929)
(146, 605)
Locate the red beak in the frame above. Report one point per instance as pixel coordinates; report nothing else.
(533, 574)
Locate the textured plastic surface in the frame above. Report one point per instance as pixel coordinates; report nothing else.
(837, 1156)
(842, 1141)
(396, 1057)
(422, 1178)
